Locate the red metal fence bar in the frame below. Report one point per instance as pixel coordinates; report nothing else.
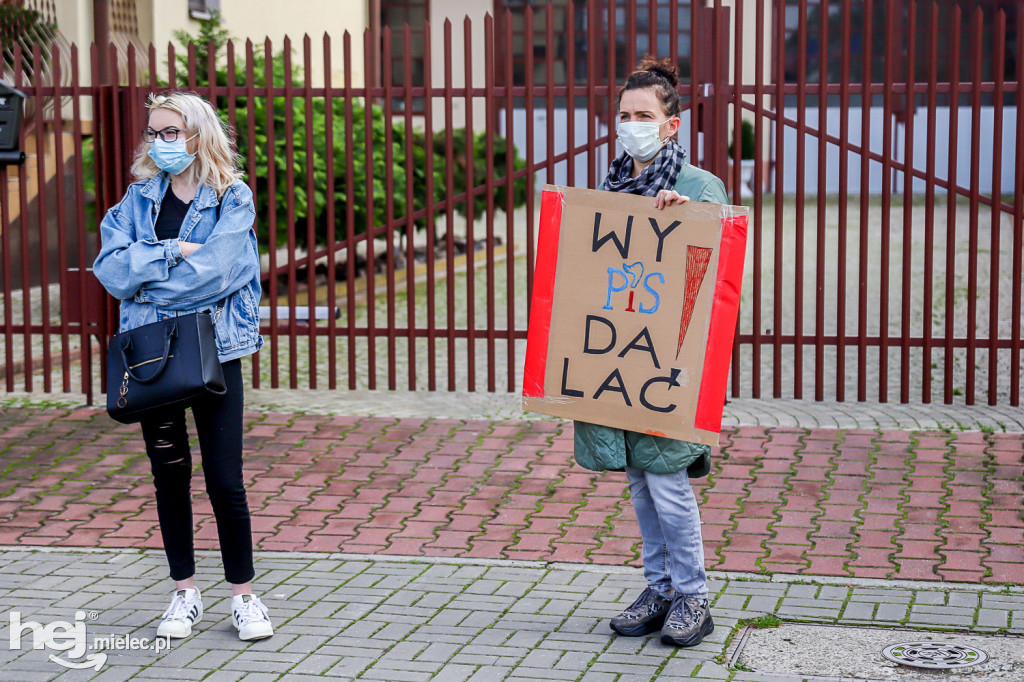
(929, 202)
(696, 57)
(5, 263)
(25, 248)
(371, 290)
(908, 204)
(891, 35)
(5, 244)
(510, 228)
(389, 170)
(350, 220)
(1018, 228)
(250, 128)
(311, 289)
(759, 179)
(62, 219)
(844, 160)
(470, 203)
(997, 164)
(972, 234)
(780, 103)
(737, 156)
(410, 253)
(801, 198)
(490, 117)
(951, 173)
(449, 209)
(269, 123)
(44, 284)
(290, 226)
(84, 338)
(332, 291)
(428, 125)
(530, 161)
(819, 265)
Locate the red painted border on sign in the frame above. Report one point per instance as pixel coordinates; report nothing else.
(722, 330)
(543, 293)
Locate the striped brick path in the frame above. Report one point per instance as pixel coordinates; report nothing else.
(922, 505)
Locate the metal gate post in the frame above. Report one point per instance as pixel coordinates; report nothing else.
(115, 123)
(714, 40)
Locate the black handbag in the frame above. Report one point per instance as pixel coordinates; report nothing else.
(160, 365)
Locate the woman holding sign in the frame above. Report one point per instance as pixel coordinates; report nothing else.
(658, 469)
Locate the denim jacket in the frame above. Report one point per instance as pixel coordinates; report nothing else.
(154, 281)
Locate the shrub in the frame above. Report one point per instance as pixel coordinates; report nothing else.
(746, 141)
(315, 206)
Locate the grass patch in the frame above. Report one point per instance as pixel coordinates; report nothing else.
(762, 622)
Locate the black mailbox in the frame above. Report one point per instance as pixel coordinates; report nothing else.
(11, 107)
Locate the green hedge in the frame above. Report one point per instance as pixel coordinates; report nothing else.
(316, 205)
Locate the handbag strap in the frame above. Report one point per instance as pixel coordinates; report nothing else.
(172, 331)
(218, 310)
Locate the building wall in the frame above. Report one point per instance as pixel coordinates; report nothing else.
(260, 19)
(456, 11)
(74, 19)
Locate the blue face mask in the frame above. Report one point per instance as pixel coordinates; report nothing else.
(172, 157)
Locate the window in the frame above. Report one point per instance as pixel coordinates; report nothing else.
(395, 15)
(830, 58)
(658, 41)
(200, 9)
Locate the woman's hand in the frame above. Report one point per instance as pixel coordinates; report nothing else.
(187, 248)
(665, 198)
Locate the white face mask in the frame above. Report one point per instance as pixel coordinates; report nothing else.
(641, 139)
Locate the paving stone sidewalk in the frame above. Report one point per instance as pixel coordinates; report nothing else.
(923, 505)
(349, 617)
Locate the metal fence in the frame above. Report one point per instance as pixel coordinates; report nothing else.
(398, 216)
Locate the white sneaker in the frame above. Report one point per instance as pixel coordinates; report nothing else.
(186, 610)
(249, 616)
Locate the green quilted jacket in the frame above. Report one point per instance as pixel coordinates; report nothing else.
(601, 448)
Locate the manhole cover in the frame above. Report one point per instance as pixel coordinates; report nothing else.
(808, 652)
(935, 655)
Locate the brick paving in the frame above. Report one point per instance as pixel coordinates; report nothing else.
(349, 618)
(918, 505)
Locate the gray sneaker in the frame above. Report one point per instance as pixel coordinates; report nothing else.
(645, 616)
(688, 622)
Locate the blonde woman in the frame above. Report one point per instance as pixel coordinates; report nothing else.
(181, 241)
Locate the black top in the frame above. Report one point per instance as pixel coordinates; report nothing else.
(172, 215)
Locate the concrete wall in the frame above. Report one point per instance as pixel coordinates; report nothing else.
(74, 17)
(989, 155)
(259, 19)
(457, 11)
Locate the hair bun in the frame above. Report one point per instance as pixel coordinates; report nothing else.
(666, 68)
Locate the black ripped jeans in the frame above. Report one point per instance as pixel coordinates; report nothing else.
(219, 425)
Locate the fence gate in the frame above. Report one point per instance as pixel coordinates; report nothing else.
(878, 143)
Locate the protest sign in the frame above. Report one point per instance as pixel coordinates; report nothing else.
(634, 311)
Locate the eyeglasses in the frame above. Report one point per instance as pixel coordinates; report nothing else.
(169, 134)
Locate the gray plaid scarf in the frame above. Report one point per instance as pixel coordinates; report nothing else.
(661, 174)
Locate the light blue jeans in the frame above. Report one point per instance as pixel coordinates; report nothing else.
(673, 550)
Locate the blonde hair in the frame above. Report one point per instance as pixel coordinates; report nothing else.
(216, 163)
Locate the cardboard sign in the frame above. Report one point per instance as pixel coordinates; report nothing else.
(634, 311)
